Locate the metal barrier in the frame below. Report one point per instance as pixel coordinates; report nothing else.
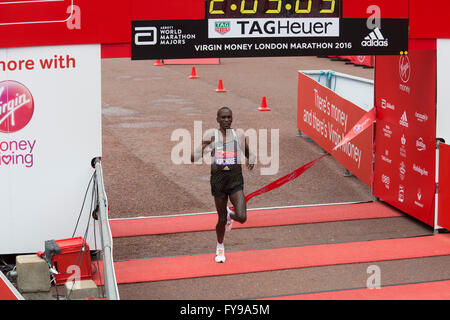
(111, 290)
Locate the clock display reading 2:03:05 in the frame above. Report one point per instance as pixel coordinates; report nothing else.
(272, 8)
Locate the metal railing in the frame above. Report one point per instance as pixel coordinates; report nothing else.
(110, 282)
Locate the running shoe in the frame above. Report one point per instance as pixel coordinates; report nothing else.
(220, 255)
(229, 224)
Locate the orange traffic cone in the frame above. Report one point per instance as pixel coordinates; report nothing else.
(193, 74)
(220, 87)
(158, 63)
(264, 106)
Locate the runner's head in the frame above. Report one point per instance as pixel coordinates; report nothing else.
(224, 118)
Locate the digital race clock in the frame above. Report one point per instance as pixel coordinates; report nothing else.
(221, 9)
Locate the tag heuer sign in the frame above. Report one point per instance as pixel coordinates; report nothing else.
(222, 27)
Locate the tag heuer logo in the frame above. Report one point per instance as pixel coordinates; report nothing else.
(222, 27)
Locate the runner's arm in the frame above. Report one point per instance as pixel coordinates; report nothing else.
(250, 157)
(198, 153)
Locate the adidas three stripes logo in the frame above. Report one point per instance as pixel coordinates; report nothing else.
(375, 39)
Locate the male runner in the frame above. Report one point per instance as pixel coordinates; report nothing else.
(227, 181)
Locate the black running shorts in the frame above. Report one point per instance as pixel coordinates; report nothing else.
(224, 183)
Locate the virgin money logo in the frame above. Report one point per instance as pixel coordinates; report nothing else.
(404, 68)
(16, 106)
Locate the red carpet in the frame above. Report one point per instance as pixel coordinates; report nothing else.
(195, 266)
(255, 218)
(439, 290)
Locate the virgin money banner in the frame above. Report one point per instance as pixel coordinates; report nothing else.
(405, 156)
(326, 118)
(50, 129)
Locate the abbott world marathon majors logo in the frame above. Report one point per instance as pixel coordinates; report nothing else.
(16, 111)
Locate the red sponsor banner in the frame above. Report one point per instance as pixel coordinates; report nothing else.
(363, 60)
(41, 23)
(405, 135)
(429, 21)
(444, 186)
(56, 22)
(60, 22)
(366, 8)
(21, 12)
(326, 118)
(115, 50)
(359, 60)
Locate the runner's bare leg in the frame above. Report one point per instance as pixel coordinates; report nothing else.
(240, 206)
(221, 206)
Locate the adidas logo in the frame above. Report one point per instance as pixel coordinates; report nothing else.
(404, 120)
(375, 39)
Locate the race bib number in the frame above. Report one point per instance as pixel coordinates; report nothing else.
(225, 158)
